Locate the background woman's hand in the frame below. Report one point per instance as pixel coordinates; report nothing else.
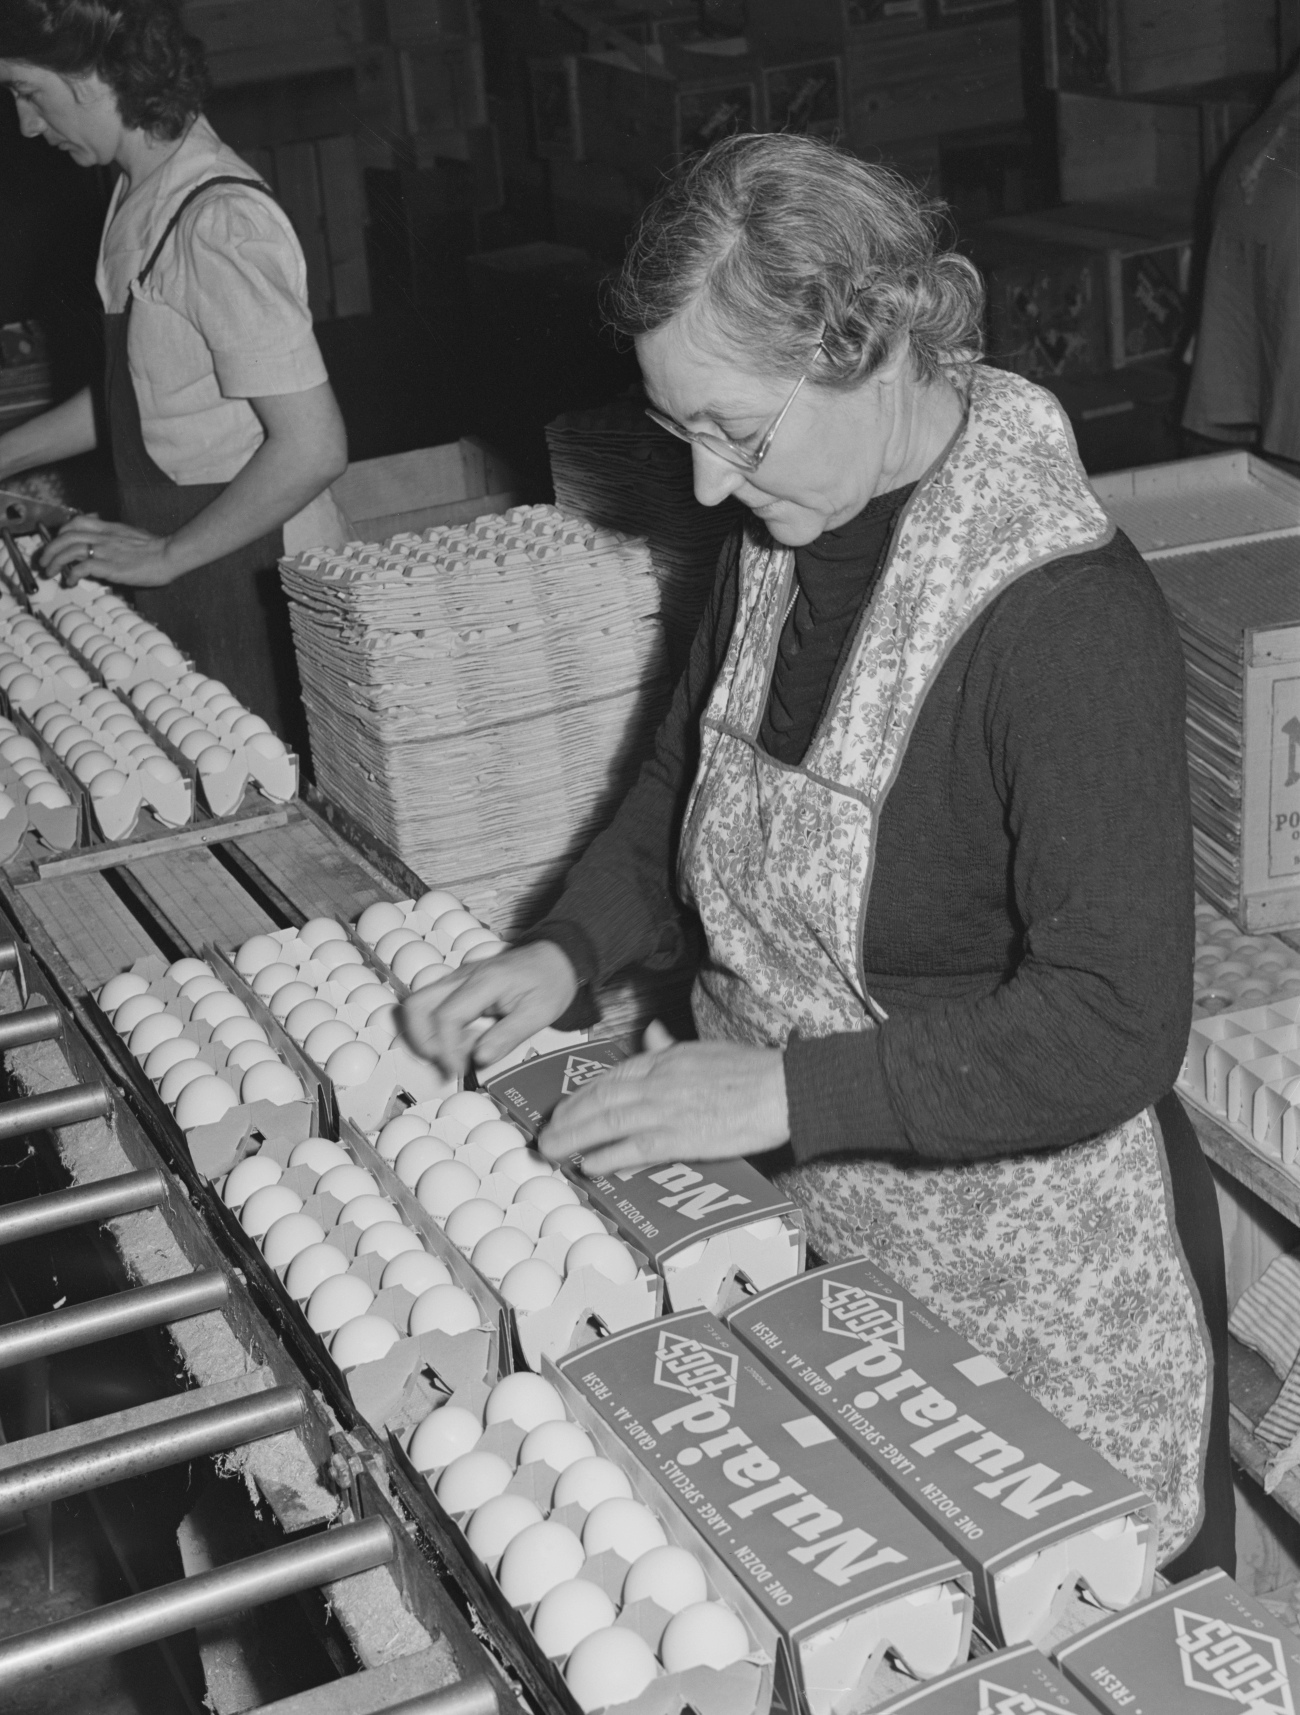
(524, 989)
(122, 554)
(678, 1101)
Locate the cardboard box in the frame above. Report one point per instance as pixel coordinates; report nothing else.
(1046, 306)
(1130, 46)
(925, 84)
(1027, 1506)
(1198, 1649)
(807, 98)
(1013, 1682)
(827, 1567)
(1109, 147)
(713, 1231)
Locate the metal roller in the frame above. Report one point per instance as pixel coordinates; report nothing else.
(36, 1024)
(198, 1601)
(214, 1429)
(59, 1107)
(467, 1697)
(99, 1201)
(105, 1318)
(9, 956)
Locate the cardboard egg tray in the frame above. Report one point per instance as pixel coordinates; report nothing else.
(745, 1688)
(1031, 1510)
(58, 828)
(1243, 1067)
(828, 1569)
(1235, 970)
(695, 1222)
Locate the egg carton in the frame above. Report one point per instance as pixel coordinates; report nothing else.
(516, 1485)
(550, 1306)
(1233, 970)
(1243, 1067)
(54, 817)
(365, 1087)
(438, 929)
(383, 1322)
(114, 646)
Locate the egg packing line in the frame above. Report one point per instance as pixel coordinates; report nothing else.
(224, 1418)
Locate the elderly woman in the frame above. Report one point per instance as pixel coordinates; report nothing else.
(923, 785)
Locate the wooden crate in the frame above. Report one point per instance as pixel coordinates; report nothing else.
(1112, 146)
(638, 121)
(937, 81)
(1046, 316)
(780, 31)
(1222, 535)
(263, 41)
(418, 490)
(1131, 46)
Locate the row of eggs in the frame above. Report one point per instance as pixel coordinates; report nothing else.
(35, 784)
(538, 1561)
(428, 1156)
(418, 955)
(106, 631)
(317, 1273)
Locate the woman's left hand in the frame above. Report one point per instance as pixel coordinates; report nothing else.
(678, 1101)
(117, 553)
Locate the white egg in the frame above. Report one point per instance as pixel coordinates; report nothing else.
(319, 1155)
(468, 1222)
(470, 938)
(395, 1136)
(378, 919)
(413, 958)
(271, 978)
(247, 725)
(383, 1025)
(387, 1240)
(444, 1187)
(160, 768)
(370, 996)
(265, 744)
(497, 1252)
(473, 1478)
(626, 1526)
(351, 1065)
(567, 1222)
(449, 925)
(609, 1667)
(197, 747)
(496, 1524)
(524, 1399)
(107, 783)
(387, 945)
(119, 989)
(443, 1436)
(537, 1560)
(557, 1444)
(265, 1207)
(256, 954)
(185, 1072)
(363, 1340)
(14, 749)
(334, 956)
(270, 1081)
(337, 1300)
(47, 797)
(288, 996)
(330, 1034)
(302, 1019)
(204, 1102)
(437, 900)
(212, 1009)
(145, 692)
(418, 1156)
(347, 1181)
(312, 1266)
(425, 978)
(367, 1211)
(317, 930)
(169, 1054)
(133, 1009)
(177, 726)
(236, 1029)
(252, 1053)
(669, 1576)
(546, 1194)
(707, 1634)
(285, 1238)
(568, 1613)
(202, 983)
(588, 1482)
(345, 980)
(152, 1032)
(414, 1269)
(531, 1285)
(249, 1175)
(185, 970)
(445, 1309)
(496, 1138)
(522, 1164)
(604, 1253)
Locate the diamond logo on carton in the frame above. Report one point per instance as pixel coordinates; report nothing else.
(1234, 1663)
(860, 1315)
(998, 1700)
(687, 1366)
(579, 1069)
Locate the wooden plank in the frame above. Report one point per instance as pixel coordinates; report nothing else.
(1268, 1179)
(91, 929)
(311, 867)
(373, 1692)
(206, 834)
(198, 900)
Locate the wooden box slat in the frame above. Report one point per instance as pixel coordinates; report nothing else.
(312, 867)
(199, 900)
(89, 925)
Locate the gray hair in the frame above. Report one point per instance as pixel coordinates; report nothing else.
(782, 237)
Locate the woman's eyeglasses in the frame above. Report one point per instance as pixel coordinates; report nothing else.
(722, 446)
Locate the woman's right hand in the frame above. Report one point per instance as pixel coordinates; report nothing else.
(523, 989)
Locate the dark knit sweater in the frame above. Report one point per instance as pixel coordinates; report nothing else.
(1029, 931)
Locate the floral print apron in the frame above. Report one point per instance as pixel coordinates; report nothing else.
(1063, 1265)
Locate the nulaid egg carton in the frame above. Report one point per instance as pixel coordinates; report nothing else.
(206, 730)
(592, 1574)
(1010, 1682)
(1233, 970)
(1199, 1648)
(715, 1231)
(831, 1573)
(558, 1269)
(1030, 1509)
(328, 1011)
(1243, 1067)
